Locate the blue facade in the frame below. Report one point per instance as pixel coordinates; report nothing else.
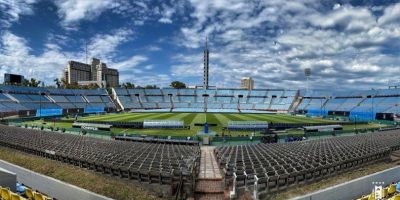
(317, 112)
(48, 112)
(94, 110)
(362, 116)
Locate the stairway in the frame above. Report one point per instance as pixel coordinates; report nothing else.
(209, 184)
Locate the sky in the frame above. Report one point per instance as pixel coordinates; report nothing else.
(347, 44)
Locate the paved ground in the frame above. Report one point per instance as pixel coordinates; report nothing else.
(209, 185)
(208, 164)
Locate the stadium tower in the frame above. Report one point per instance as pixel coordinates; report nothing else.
(205, 75)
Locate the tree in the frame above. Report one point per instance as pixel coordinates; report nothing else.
(58, 82)
(151, 87)
(178, 85)
(128, 85)
(31, 83)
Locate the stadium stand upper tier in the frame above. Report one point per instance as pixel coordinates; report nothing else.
(357, 105)
(201, 100)
(28, 101)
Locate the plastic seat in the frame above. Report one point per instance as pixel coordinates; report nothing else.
(391, 189)
(29, 193)
(15, 196)
(396, 197)
(5, 194)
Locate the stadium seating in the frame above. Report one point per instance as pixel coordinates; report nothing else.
(158, 163)
(389, 192)
(51, 101)
(7, 194)
(363, 105)
(272, 167)
(200, 100)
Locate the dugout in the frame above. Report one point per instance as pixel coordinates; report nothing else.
(324, 128)
(91, 126)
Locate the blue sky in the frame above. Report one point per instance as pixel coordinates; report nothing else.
(347, 44)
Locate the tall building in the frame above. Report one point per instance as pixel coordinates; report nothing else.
(205, 75)
(96, 72)
(247, 83)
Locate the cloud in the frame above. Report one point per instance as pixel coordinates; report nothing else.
(72, 11)
(391, 14)
(16, 57)
(130, 63)
(274, 41)
(344, 18)
(11, 10)
(104, 46)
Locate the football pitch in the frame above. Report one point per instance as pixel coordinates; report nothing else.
(219, 119)
(190, 119)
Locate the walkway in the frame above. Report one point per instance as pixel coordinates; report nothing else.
(210, 184)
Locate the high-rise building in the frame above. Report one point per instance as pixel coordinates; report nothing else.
(205, 75)
(247, 83)
(96, 72)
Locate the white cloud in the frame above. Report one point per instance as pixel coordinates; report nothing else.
(104, 46)
(75, 10)
(11, 10)
(129, 63)
(273, 42)
(16, 57)
(345, 17)
(391, 14)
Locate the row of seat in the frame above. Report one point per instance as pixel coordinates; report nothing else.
(271, 167)
(146, 162)
(7, 194)
(390, 192)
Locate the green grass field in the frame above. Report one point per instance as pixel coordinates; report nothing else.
(220, 119)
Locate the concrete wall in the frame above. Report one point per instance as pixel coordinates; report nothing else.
(50, 186)
(8, 179)
(355, 188)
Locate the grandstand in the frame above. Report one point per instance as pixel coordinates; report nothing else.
(153, 162)
(27, 101)
(265, 168)
(173, 160)
(200, 100)
(356, 105)
(363, 105)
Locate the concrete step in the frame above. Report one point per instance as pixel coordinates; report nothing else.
(210, 197)
(209, 186)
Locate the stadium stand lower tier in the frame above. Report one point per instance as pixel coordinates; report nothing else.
(364, 105)
(391, 192)
(24, 193)
(158, 163)
(40, 102)
(265, 168)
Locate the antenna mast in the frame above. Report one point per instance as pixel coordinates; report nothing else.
(86, 51)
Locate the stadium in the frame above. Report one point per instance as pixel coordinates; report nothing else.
(94, 136)
(227, 129)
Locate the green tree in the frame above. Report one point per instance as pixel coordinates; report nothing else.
(128, 85)
(58, 82)
(178, 84)
(31, 83)
(151, 87)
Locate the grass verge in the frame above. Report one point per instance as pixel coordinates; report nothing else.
(105, 185)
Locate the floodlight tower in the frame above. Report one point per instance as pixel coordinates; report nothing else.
(307, 73)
